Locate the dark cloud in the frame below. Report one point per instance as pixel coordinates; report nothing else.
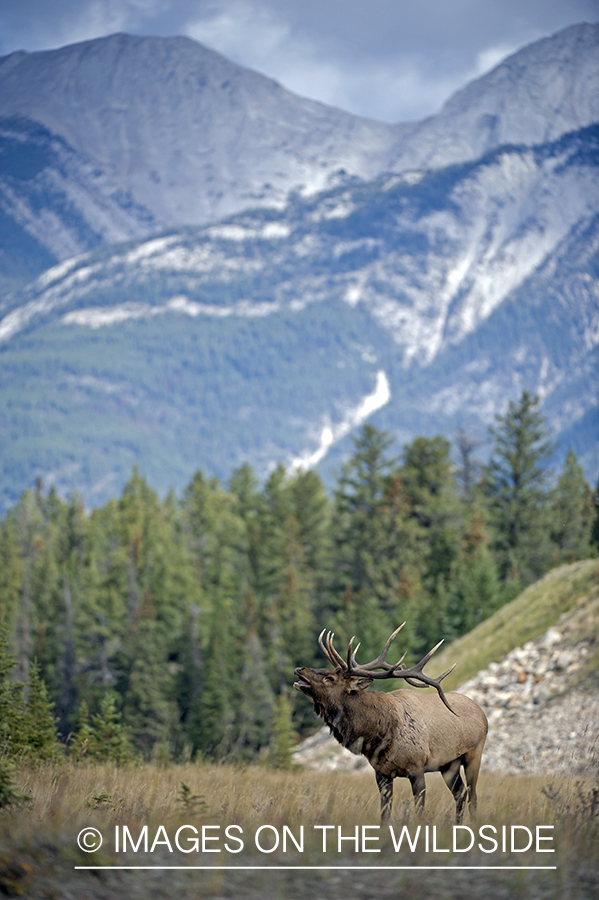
(384, 58)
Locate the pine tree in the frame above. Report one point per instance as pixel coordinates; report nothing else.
(282, 741)
(516, 487)
(13, 726)
(595, 520)
(210, 725)
(253, 719)
(571, 512)
(40, 723)
(149, 713)
(359, 501)
(80, 743)
(10, 572)
(474, 592)
(10, 795)
(109, 739)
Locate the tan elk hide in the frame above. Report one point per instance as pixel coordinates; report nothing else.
(401, 733)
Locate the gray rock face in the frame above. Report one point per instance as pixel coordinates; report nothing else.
(58, 196)
(532, 97)
(192, 137)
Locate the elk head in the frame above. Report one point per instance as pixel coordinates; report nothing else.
(322, 686)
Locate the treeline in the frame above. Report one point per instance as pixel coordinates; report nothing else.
(173, 626)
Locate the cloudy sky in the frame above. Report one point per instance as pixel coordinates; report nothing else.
(390, 59)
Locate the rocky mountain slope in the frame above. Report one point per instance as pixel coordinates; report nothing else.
(55, 203)
(185, 132)
(191, 137)
(439, 293)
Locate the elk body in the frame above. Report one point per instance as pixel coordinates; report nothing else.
(402, 734)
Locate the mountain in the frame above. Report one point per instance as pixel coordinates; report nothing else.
(423, 300)
(54, 203)
(186, 133)
(148, 133)
(534, 96)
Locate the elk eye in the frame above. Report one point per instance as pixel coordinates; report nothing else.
(328, 679)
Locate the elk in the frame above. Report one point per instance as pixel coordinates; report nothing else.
(401, 733)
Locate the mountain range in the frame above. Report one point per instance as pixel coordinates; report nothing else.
(289, 269)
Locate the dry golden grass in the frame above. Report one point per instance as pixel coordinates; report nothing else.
(38, 842)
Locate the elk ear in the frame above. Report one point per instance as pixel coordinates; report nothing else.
(358, 684)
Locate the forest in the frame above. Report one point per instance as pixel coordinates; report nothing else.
(169, 629)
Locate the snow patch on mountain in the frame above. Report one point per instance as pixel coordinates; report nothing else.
(99, 317)
(332, 433)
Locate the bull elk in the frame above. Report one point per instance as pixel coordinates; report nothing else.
(402, 734)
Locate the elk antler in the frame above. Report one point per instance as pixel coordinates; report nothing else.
(414, 676)
(329, 650)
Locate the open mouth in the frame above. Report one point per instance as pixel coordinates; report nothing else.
(301, 684)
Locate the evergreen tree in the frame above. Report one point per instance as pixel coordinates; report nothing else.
(571, 512)
(595, 520)
(283, 738)
(253, 719)
(474, 592)
(516, 487)
(210, 725)
(13, 727)
(109, 739)
(40, 723)
(359, 500)
(10, 573)
(81, 740)
(10, 795)
(149, 713)
(468, 471)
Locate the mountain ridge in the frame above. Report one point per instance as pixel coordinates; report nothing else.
(163, 120)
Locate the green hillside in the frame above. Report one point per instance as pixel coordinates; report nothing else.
(567, 597)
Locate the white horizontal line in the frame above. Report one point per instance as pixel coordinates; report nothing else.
(343, 868)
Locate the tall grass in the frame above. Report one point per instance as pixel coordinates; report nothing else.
(41, 836)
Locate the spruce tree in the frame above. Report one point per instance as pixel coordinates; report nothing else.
(595, 520)
(40, 722)
(109, 739)
(518, 496)
(283, 738)
(13, 725)
(253, 720)
(572, 512)
(81, 740)
(149, 713)
(359, 501)
(474, 591)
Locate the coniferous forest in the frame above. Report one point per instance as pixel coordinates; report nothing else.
(170, 628)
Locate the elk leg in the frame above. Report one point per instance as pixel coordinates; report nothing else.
(471, 769)
(385, 786)
(453, 779)
(418, 789)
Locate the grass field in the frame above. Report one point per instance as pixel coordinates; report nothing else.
(39, 852)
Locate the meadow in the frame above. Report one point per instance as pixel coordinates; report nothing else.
(229, 805)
